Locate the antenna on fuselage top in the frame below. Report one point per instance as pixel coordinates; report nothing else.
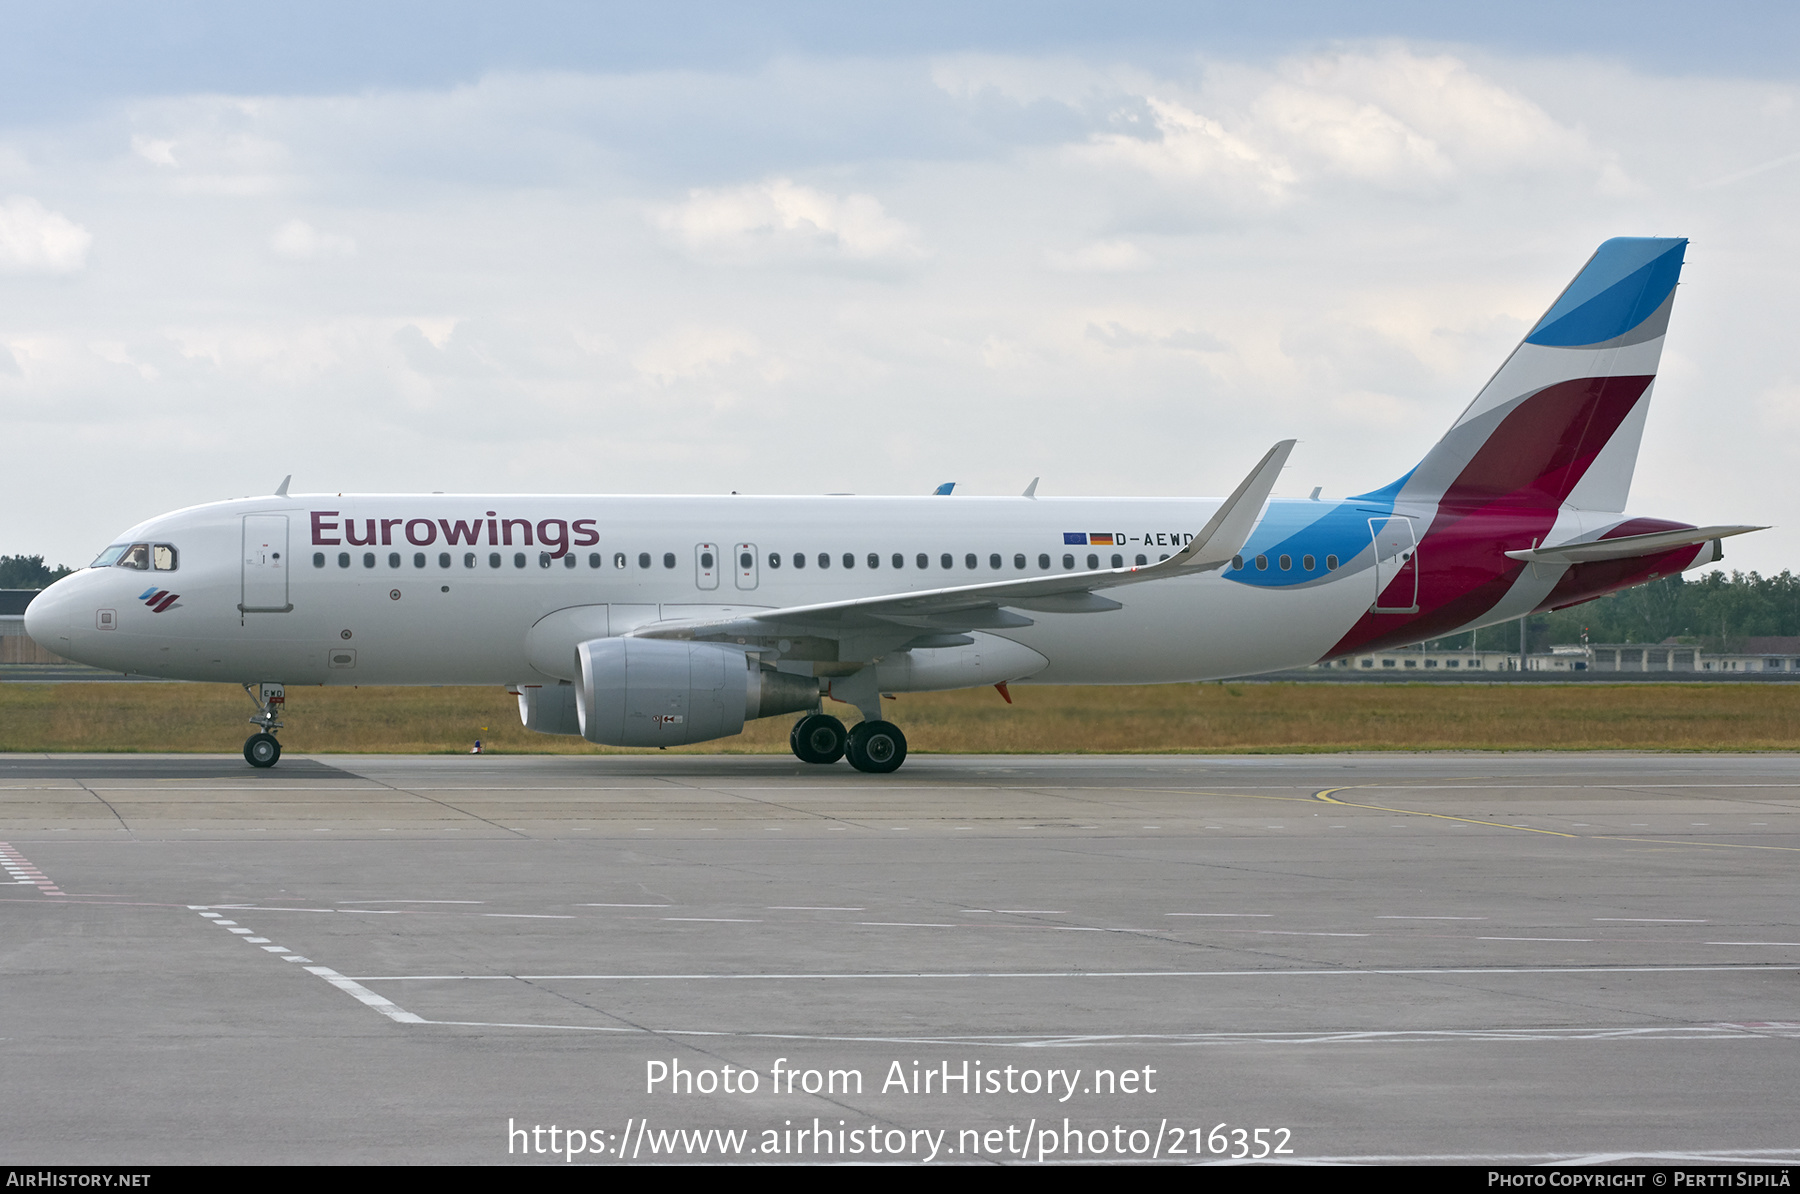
(1031, 489)
(944, 489)
(281, 489)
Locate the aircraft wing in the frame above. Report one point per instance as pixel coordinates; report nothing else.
(901, 619)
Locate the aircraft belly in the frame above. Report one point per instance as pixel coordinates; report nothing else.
(1205, 630)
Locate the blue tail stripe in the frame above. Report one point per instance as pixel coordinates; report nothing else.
(1624, 284)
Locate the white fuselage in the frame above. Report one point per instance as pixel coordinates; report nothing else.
(378, 596)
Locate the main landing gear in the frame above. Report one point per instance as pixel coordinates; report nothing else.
(261, 749)
(873, 746)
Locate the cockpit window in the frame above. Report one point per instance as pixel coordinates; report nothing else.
(162, 557)
(109, 557)
(136, 556)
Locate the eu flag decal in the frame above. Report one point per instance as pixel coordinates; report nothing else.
(1078, 538)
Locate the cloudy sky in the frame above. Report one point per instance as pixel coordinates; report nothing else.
(802, 248)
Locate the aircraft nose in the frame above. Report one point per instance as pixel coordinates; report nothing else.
(47, 617)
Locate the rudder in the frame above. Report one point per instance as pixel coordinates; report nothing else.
(1559, 422)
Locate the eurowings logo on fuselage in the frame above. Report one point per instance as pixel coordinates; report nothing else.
(159, 600)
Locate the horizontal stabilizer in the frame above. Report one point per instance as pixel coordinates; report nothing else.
(1627, 546)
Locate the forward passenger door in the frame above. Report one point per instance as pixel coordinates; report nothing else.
(265, 569)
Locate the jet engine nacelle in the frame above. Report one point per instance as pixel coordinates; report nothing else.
(659, 692)
(549, 708)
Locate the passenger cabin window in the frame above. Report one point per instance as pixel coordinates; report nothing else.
(518, 559)
(1044, 560)
(969, 561)
(774, 559)
(1262, 563)
(318, 559)
(668, 559)
(849, 559)
(443, 559)
(468, 559)
(418, 559)
(946, 560)
(343, 559)
(824, 559)
(593, 559)
(1308, 563)
(1144, 559)
(569, 560)
(799, 559)
(1118, 561)
(393, 559)
(618, 559)
(994, 560)
(1068, 560)
(1331, 563)
(1286, 562)
(922, 560)
(899, 560)
(643, 559)
(136, 557)
(162, 557)
(1019, 559)
(875, 559)
(1093, 560)
(493, 559)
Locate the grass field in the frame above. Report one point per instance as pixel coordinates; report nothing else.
(1200, 718)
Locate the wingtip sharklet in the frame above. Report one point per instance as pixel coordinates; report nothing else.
(1225, 534)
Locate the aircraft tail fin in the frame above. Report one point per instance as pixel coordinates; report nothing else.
(1561, 419)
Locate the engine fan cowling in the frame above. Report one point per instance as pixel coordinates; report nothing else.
(660, 692)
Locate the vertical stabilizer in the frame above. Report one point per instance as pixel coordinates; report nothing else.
(1560, 422)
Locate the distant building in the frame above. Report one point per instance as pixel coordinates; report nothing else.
(15, 645)
(1759, 655)
(1418, 659)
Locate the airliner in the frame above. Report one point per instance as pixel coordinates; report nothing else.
(658, 621)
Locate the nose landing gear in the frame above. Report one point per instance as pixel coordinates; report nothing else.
(262, 749)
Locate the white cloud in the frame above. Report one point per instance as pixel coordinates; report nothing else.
(1100, 257)
(687, 353)
(1440, 101)
(1191, 145)
(297, 240)
(780, 219)
(35, 240)
(157, 151)
(1390, 118)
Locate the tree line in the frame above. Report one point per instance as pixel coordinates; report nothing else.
(1715, 612)
(29, 572)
